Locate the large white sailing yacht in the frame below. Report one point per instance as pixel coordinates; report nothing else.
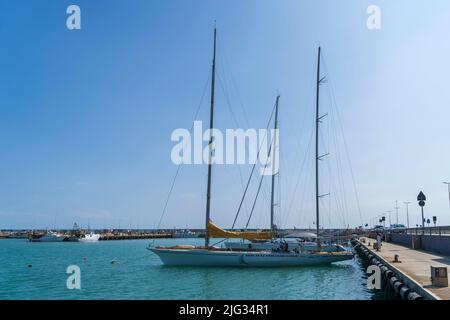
(207, 255)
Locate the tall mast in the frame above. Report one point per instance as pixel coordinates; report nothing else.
(317, 148)
(211, 125)
(272, 204)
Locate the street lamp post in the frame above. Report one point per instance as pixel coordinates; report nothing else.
(448, 187)
(390, 222)
(407, 212)
(396, 210)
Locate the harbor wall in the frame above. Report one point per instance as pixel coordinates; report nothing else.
(439, 244)
(394, 283)
(401, 239)
(433, 243)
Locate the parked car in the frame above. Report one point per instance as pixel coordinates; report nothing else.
(397, 228)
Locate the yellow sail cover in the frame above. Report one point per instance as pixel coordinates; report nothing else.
(217, 232)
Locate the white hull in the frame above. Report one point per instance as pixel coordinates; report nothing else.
(215, 258)
(90, 238)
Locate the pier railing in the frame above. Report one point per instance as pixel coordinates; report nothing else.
(432, 231)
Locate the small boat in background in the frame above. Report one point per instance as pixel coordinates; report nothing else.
(16, 235)
(186, 233)
(75, 234)
(79, 235)
(89, 237)
(49, 236)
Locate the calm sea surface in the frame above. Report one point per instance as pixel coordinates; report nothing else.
(138, 274)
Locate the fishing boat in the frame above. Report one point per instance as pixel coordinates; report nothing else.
(49, 236)
(186, 233)
(89, 237)
(209, 255)
(75, 234)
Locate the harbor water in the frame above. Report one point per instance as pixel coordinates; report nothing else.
(126, 270)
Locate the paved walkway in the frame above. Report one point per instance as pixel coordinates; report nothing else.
(416, 264)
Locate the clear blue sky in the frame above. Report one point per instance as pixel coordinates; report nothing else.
(86, 115)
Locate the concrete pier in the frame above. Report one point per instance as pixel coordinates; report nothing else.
(413, 268)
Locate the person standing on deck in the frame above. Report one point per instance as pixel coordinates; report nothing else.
(378, 242)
